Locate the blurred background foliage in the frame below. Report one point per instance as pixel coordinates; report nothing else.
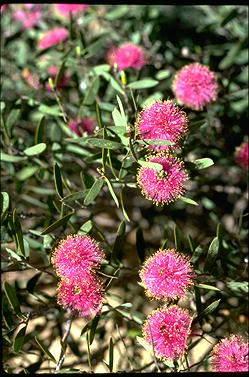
(48, 173)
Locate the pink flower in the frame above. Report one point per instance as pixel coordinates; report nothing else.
(52, 37)
(128, 55)
(65, 9)
(168, 328)
(241, 155)
(52, 71)
(28, 16)
(76, 256)
(195, 86)
(166, 275)
(84, 125)
(161, 120)
(230, 355)
(83, 296)
(163, 186)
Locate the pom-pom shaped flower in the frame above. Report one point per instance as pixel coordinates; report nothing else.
(83, 296)
(241, 155)
(128, 55)
(65, 9)
(84, 125)
(52, 37)
(76, 255)
(28, 16)
(166, 274)
(161, 120)
(230, 355)
(195, 86)
(52, 71)
(166, 185)
(168, 328)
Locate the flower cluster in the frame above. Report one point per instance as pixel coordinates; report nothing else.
(230, 355)
(162, 122)
(128, 55)
(64, 10)
(52, 37)
(167, 329)
(167, 275)
(28, 14)
(75, 260)
(195, 86)
(83, 125)
(241, 155)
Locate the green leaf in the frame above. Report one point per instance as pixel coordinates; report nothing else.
(74, 196)
(18, 232)
(60, 73)
(151, 165)
(99, 69)
(118, 119)
(188, 200)
(5, 202)
(12, 118)
(26, 172)
(155, 96)
(164, 74)
(57, 224)
(45, 349)
(212, 254)
(35, 149)
(19, 339)
(144, 344)
(103, 143)
(238, 287)
(117, 12)
(93, 328)
(230, 16)
(230, 57)
(86, 227)
(203, 163)
(207, 286)
(92, 92)
(39, 130)
(93, 191)
(143, 84)
(121, 108)
(115, 85)
(10, 158)
(117, 247)
(196, 255)
(58, 180)
(208, 310)
(111, 355)
(114, 196)
(32, 282)
(50, 110)
(140, 244)
(155, 142)
(12, 297)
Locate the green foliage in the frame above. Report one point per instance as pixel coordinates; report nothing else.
(57, 182)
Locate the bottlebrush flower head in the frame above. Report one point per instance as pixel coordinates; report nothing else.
(52, 71)
(84, 295)
(241, 155)
(230, 355)
(161, 120)
(128, 55)
(86, 124)
(28, 16)
(168, 328)
(65, 9)
(52, 37)
(76, 255)
(195, 86)
(165, 186)
(166, 274)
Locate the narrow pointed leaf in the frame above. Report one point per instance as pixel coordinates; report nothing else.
(39, 130)
(19, 339)
(93, 192)
(58, 180)
(5, 202)
(35, 149)
(45, 349)
(12, 297)
(143, 84)
(203, 163)
(57, 224)
(151, 165)
(114, 196)
(111, 355)
(212, 254)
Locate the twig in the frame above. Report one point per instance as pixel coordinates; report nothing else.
(64, 344)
